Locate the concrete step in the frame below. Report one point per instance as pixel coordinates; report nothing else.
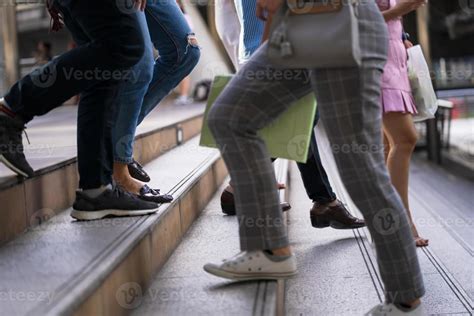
(338, 273)
(52, 153)
(183, 288)
(65, 267)
(338, 269)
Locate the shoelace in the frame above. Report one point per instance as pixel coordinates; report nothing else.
(26, 135)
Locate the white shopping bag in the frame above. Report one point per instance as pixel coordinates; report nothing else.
(421, 85)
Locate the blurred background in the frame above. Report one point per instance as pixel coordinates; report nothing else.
(444, 29)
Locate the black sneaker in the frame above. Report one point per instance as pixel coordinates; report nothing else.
(11, 146)
(113, 202)
(137, 172)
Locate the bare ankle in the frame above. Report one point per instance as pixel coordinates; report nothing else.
(285, 251)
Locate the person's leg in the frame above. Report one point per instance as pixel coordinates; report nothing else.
(251, 31)
(129, 104)
(327, 210)
(402, 136)
(183, 91)
(349, 104)
(115, 43)
(178, 48)
(314, 176)
(245, 106)
(228, 28)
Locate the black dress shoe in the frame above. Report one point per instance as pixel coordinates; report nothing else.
(11, 146)
(153, 195)
(137, 172)
(337, 217)
(228, 203)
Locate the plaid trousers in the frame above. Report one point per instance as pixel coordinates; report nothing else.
(350, 109)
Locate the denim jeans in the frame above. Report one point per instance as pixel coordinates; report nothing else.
(252, 29)
(110, 43)
(169, 33)
(314, 176)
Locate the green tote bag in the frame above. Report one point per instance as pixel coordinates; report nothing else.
(286, 137)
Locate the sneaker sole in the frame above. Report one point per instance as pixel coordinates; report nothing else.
(249, 276)
(12, 167)
(92, 215)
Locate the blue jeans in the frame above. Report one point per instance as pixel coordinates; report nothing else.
(165, 25)
(110, 43)
(252, 28)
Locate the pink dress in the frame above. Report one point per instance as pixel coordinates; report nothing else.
(396, 91)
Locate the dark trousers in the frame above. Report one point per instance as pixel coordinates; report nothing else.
(314, 176)
(111, 43)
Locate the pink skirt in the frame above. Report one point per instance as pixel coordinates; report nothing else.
(395, 100)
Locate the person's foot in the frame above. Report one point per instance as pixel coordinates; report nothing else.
(228, 203)
(254, 265)
(396, 310)
(336, 216)
(421, 242)
(112, 202)
(129, 184)
(11, 146)
(137, 172)
(183, 100)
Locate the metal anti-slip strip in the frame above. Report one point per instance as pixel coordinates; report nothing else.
(71, 284)
(374, 276)
(450, 280)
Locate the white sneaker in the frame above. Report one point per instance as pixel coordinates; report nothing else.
(253, 265)
(392, 310)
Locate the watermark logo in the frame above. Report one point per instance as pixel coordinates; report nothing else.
(297, 146)
(129, 295)
(386, 221)
(45, 76)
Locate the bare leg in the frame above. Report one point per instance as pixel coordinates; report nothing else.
(401, 135)
(184, 87)
(386, 147)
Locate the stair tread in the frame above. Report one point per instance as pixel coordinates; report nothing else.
(53, 137)
(182, 287)
(335, 276)
(52, 257)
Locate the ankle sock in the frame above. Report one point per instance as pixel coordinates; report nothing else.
(93, 193)
(275, 258)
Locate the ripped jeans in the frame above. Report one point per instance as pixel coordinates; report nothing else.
(150, 81)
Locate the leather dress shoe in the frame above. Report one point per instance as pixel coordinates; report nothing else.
(337, 217)
(228, 203)
(137, 172)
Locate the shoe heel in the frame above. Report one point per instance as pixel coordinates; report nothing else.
(228, 209)
(318, 222)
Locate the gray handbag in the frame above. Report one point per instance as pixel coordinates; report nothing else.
(315, 34)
